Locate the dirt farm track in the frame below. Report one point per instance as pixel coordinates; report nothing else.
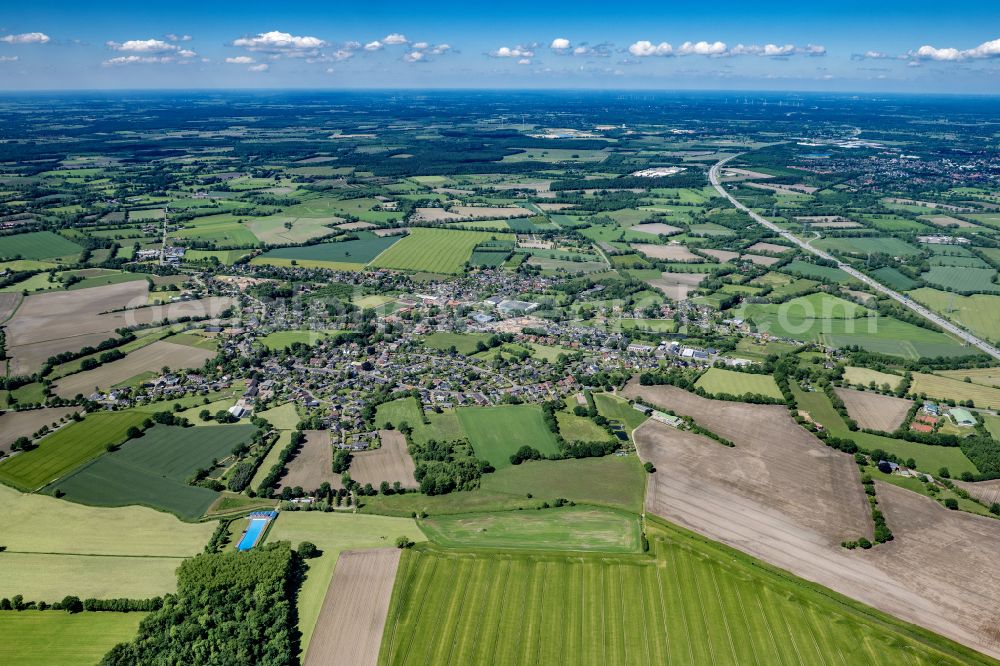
(782, 496)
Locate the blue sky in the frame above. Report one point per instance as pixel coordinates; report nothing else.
(884, 46)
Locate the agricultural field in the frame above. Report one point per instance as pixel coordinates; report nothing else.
(865, 376)
(41, 638)
(282, 339)
(718, 380)
(464, 343)
(37, 245)
(312, 465)
(147, 359)
(874, 411)
(360, 251)
(497, 432)
(390, 462)
(963, 279)
(984, 376)
(55, 548)
(573, 529)
(153, 470)
(947, 388)
(680, 605)
(980, 313)
(580, 428)
(434, 250)
(68, 448)
(26, 423)
(333, 533)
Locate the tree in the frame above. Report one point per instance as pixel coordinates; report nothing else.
(944, 473)
(308, 550)
(649, 467)
(951, 503)
(71, 604)
(403, 542)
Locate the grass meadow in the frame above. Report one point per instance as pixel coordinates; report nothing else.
(497, 432)
(690, 602)
(68, 448)
(42, 638)
(37, 245)
(718, 380)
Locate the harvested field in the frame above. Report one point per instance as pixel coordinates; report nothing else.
(677, 285)
(8, 304)
(668, 252)
(864, 377)
(735, 174)
(873, 410)
(57, 321)
(395, 231)
(760, 259)
(23, 424)
(797, 188)
(984, 491)
(721, 255)
(390, 463)
(553, 207)
(783, 497)
(353, 617)
(355, 226)
(458, 213)
(151, 358)
(656, 229)
(769, 248)
(313, 465)
(948, 221)
(844, 224)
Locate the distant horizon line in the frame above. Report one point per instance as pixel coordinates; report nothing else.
(735, 91)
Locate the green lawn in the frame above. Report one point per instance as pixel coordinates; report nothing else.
(718, 380)
(618, 409)
(576, 528)
(43, 638)
(442, 427)
(282, 417)
(497, 432)
(691, 602)
(68, 448)
(333, 533)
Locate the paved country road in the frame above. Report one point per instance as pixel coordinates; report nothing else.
(713, 176)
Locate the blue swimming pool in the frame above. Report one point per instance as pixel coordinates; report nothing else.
(258, 523)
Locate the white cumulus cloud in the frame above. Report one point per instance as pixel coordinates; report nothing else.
(374, 46)
(415, 56)
(9, 58)
(278, 42)
(395, 39)
(26, 38)
(702, 48)
(559, 44)
(645, 49)
(262, 67)
(138, 60)
(989, 49)
(512, 52)
(240, 60)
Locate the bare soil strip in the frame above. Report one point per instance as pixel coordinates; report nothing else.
(151, 358)
(875, 411)
(350, 626)
(312, 465)
(783, 497)
(390, 463)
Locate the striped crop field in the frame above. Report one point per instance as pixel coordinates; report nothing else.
(694, 602)
(435, 250)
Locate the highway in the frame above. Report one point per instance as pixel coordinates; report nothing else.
(713, 176)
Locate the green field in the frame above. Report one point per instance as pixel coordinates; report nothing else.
(43, 638)
(360, 251)
(153, 470)
(980, 313)
(442, 427)
(928, 458)
(68, 448)
(464, 343)
(963, 279)
(893, 278)
(810, 270)
(864, 377)
(693, 602)
(497, 432)
(615, 481)
(223, 228)
(617, 409)
(718, 380)
(55, 548)
(37, 245)
(580, 428)
(945, 388)
(333, 533)
(575, 528)
(863, 245)
(281, 339)
(435, 250)
(282, 417)
(224, 256)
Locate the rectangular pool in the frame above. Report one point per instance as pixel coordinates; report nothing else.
(258, 523)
